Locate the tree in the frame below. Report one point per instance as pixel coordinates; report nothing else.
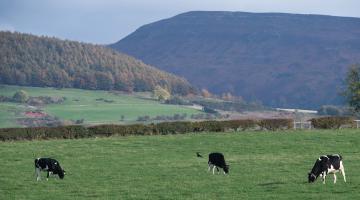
(352, 90)
(20, 96)
(205, 93)
(160, 93)
(227, 96)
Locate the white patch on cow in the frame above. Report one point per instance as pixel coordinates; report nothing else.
(332, 170)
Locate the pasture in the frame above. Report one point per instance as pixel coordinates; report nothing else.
(263, 165)
(89, 105)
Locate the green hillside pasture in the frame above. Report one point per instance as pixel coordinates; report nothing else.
(82, 104)
(263, 165)
(8, 113)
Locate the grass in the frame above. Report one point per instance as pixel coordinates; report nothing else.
(82, 104)
(9, 113)
(263, 165)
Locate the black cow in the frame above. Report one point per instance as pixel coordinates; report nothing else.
(325, 165)
(216, 160)
(50, 165)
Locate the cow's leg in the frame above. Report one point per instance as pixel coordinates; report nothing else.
(334, 178)
(38, 174)
(218, 171)
(323, 177)
(209, 167)
(47, 176)
(342, 172)
(214, 169)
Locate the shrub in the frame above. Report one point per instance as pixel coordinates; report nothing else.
(332, 122)
(65, 132)
(177, 101)
(242, 125)
(275, 124)
(165, 128)
(209, 110)
(20, 96)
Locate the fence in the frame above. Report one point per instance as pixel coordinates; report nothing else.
(357, 123)
(302, 125)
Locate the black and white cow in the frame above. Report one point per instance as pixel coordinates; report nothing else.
(216, 160)
(50, 165)
(325, 165)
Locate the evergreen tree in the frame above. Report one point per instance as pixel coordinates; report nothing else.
(352, 91)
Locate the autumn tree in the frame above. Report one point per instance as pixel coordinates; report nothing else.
(227, 96)
(20, 96)
(205, 93)
(161, 93)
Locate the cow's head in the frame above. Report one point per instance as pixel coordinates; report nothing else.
(61, 174)
(311, 177)
(59, 171)
(319, 167)
(226, 169)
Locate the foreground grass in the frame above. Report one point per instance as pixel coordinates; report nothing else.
(83, 104)
(263, 165)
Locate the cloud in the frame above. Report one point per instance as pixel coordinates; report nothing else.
(6, 27)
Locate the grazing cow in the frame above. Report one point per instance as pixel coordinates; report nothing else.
(216, 160)
(325, 165)
(50, 165)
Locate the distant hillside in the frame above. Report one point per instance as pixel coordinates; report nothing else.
(42, 61)
(285, 60)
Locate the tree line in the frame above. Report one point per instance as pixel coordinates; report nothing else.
(50, 62)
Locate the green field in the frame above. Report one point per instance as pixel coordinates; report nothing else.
(263, 165)
(82, 104)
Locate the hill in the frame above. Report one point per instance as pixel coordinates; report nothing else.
(283, 60)
(49, 62)
(86, 107)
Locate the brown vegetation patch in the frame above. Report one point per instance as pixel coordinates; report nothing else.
(35, 114)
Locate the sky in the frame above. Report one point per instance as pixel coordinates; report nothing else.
(107, 21)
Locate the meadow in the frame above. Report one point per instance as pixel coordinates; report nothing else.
(85, 104)
(263, 165)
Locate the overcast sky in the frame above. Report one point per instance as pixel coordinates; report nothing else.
(107, 21)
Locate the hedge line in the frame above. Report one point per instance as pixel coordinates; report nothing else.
(164, 128)
(333, 122)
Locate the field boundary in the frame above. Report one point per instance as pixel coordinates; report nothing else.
(164, 128)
